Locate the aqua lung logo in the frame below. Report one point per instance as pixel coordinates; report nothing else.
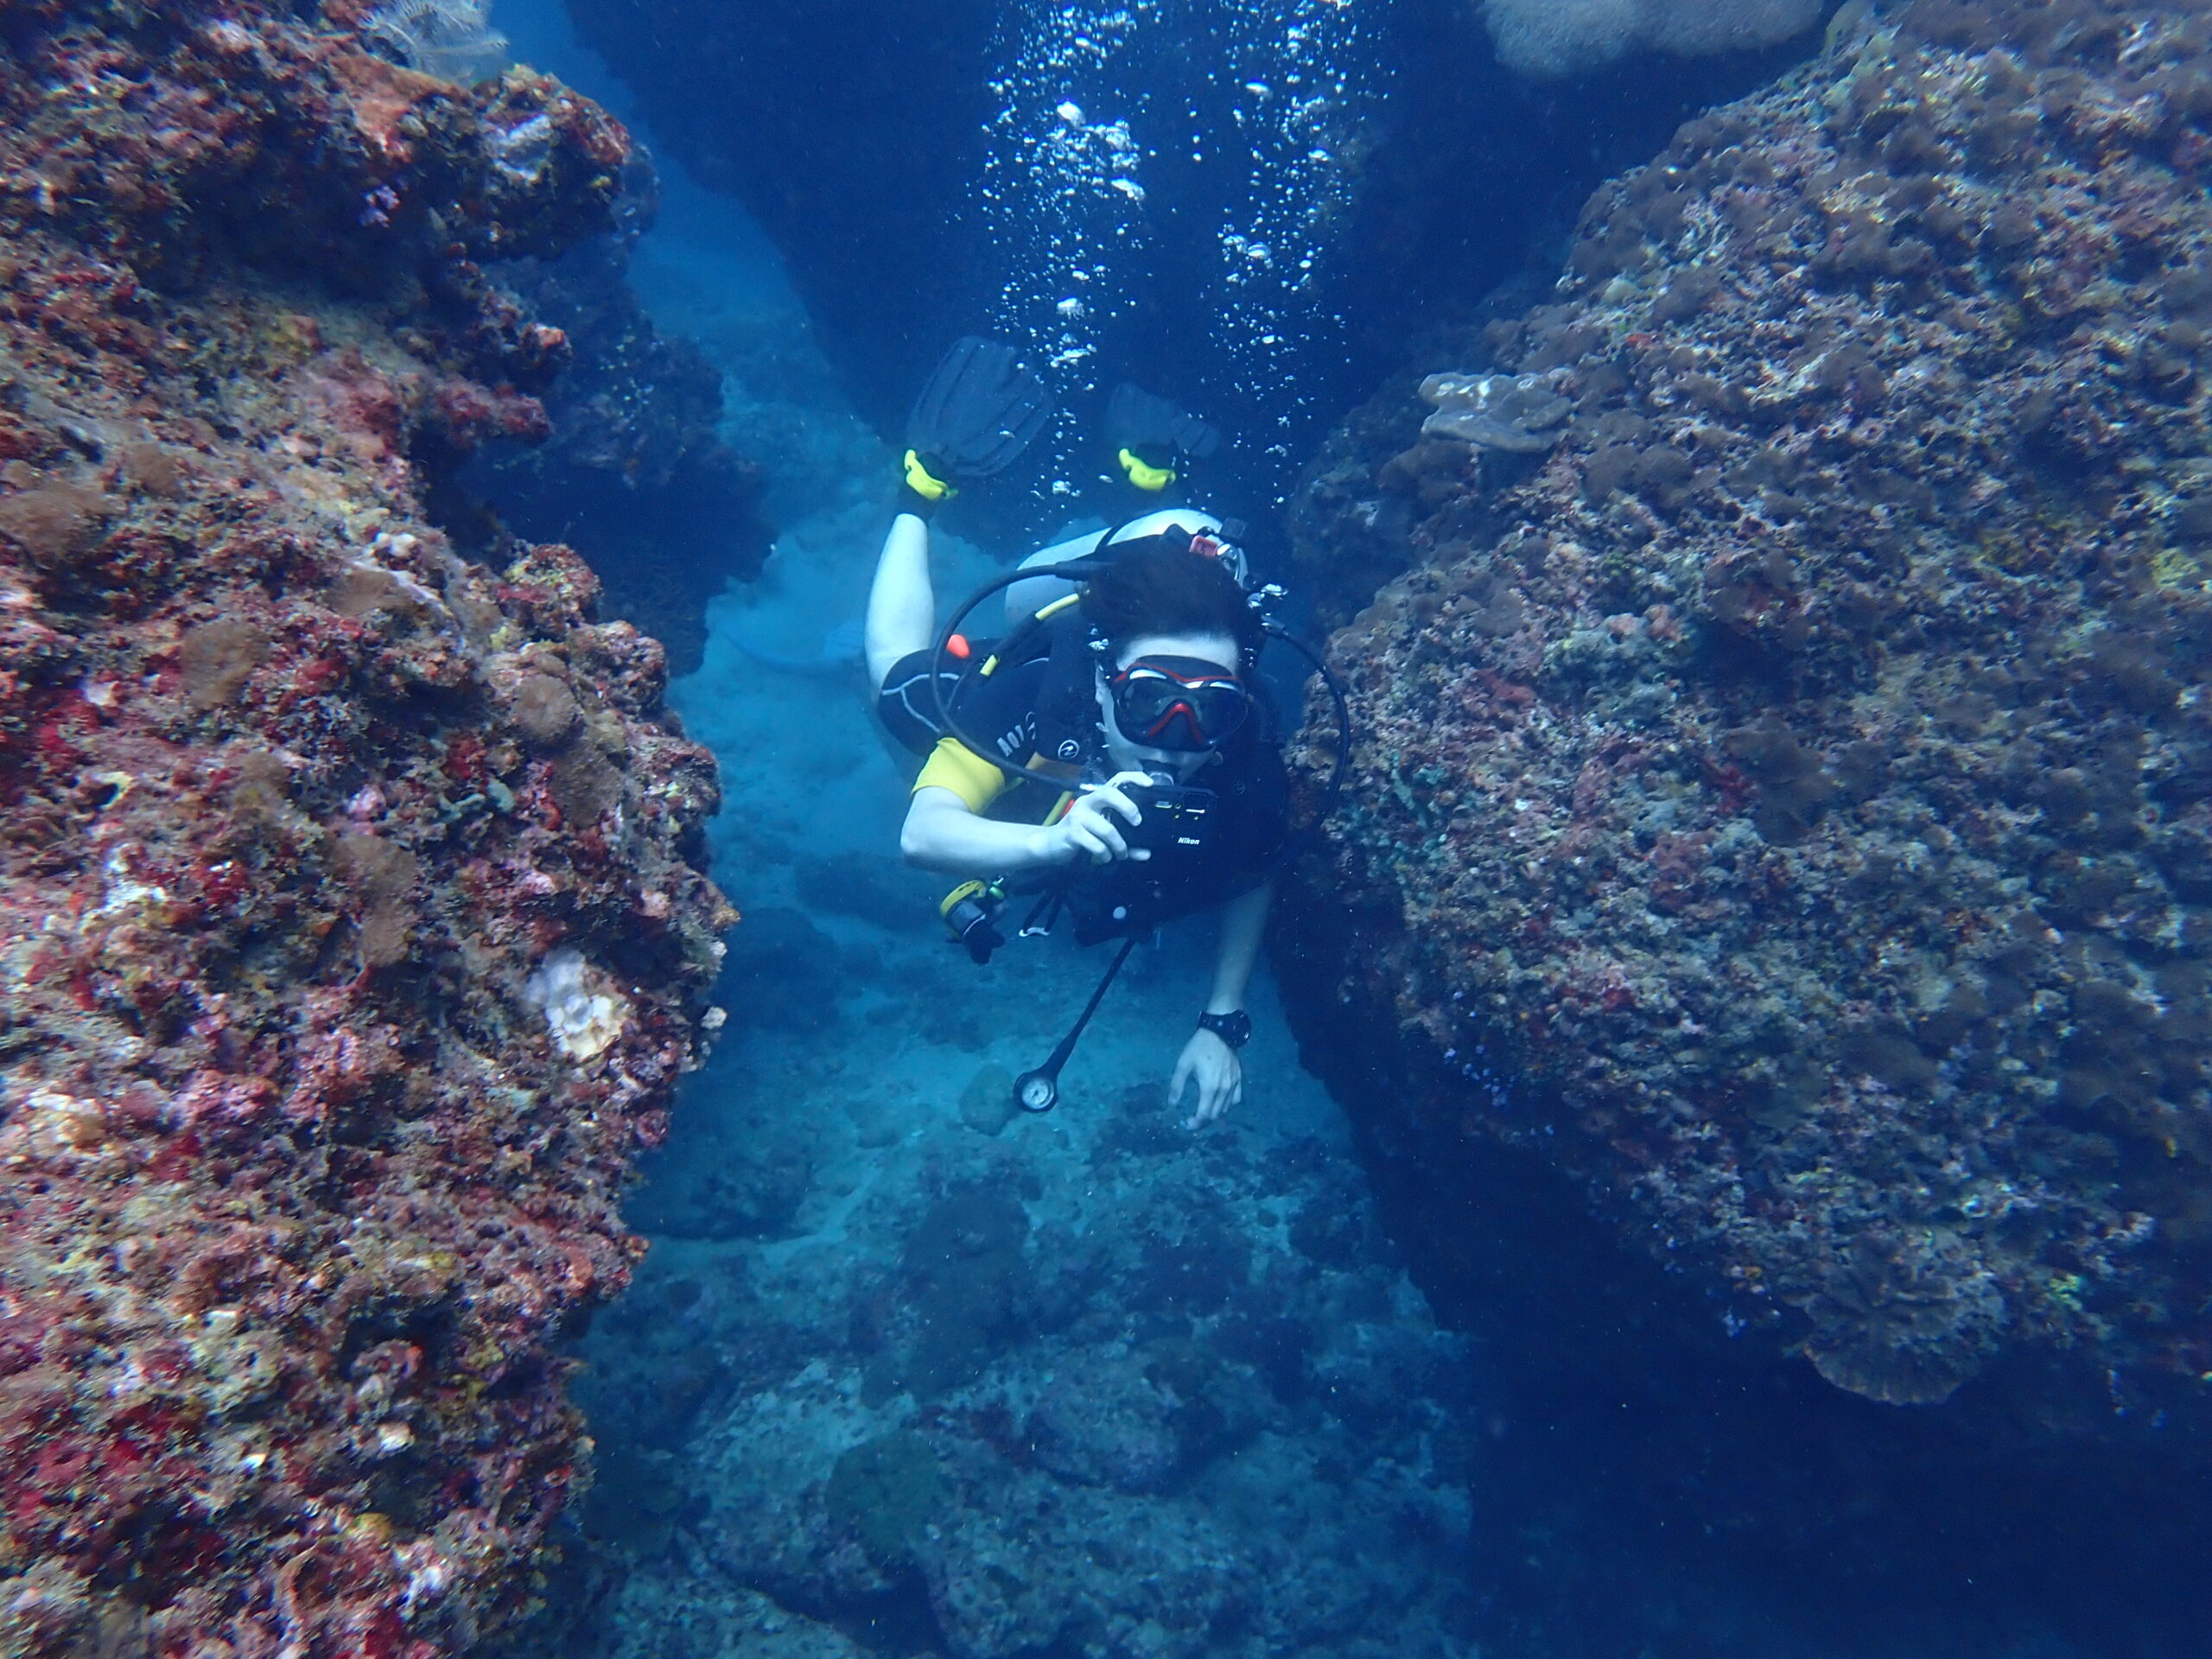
(1069, 749)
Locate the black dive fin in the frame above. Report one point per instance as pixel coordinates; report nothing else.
(979, 411)
(1135, 420)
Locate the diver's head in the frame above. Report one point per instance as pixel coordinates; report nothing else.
(1180, 644)
(1173, 701)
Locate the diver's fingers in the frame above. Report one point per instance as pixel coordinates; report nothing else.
(1088, 842)
(1091, 810)
(1107, 796)
(1181, 1078)
(1103, 825)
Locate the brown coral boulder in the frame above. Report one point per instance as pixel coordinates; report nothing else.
(1784, 803)
(333, 1011)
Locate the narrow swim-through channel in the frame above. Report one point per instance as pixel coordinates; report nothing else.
(907, 1371)
(902, 1359)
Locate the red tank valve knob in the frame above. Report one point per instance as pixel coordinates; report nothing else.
(957, 645)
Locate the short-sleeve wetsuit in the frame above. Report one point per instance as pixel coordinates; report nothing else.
(1000, 710)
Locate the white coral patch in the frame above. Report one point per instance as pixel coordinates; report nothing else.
(584, 1018)
(124, 892)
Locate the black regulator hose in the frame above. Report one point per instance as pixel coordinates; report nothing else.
(1008, 649)
(1072, 571)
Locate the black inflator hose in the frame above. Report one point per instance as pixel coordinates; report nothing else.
(1078, 570)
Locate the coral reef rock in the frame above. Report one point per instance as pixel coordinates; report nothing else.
(1549, 40)
(1096, 1388)
(350, 929)
(1783, 804)
(635, 467)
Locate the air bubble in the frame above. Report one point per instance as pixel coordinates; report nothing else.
(1068, 166)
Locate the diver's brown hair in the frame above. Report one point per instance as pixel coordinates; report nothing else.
(1159, 586)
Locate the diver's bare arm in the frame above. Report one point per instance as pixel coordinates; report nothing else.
(901, 605)
(1243, 923)
(942, 834)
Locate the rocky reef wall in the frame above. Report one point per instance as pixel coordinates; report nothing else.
(351, 922)
(788, 110)
(635, 467)
(1784, 776)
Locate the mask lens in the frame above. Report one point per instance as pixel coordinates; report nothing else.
(1179, 703)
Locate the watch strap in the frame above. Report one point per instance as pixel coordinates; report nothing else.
(1234, 1028)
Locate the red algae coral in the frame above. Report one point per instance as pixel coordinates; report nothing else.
(302, 1179)
(1783, 802)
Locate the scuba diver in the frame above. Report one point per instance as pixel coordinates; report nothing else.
(1113, 752)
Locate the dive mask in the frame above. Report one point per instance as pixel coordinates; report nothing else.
(1183, 704)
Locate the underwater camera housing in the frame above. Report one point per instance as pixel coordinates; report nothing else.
(1171, 815)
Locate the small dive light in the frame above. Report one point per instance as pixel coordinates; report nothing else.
(970, 913)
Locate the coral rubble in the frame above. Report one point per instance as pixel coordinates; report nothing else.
(1797, 779)
(349, 922)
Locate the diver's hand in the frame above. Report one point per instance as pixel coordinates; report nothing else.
(1213, 1066)
(1091, 827)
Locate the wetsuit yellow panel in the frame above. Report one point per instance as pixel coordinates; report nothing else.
(952, 765)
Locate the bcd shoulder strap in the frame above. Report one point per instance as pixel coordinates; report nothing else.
(1067, 699)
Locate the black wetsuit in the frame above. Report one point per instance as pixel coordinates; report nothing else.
(1246, 830)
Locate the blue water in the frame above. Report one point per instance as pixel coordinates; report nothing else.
(902, 1375)
(1139, 1387)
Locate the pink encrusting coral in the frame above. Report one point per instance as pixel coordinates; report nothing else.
(300, 1177)
(1796, 774)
